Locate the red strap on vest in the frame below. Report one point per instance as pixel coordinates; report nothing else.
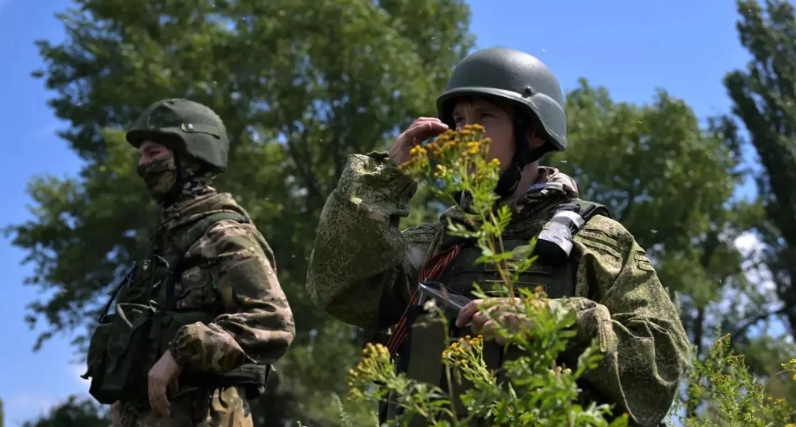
(431, 270)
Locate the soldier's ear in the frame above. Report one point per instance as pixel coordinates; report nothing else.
(534, 137)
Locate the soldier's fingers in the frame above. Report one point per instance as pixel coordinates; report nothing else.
(509, 321)
(423, 130)
(116, 414)
(487, 329)
(157, 395)
(467, 312)
(479, 320)
(162, 401)
(151, 391)
(423, 120)
(421, 123)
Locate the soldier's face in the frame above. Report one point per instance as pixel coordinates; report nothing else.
(498, 122)
(149, 151)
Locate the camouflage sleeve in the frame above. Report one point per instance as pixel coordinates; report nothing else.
(644, 346)
(258, 324)
(361, 264)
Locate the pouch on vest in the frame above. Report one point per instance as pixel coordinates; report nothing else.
(97, 356)
(125, 373)
(96, 362)
(129, 352)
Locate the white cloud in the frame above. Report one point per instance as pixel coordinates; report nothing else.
(748, 243)
(752, 249)
(757, 275)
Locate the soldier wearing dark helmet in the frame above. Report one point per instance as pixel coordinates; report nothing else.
(198, 323)
(364, 271)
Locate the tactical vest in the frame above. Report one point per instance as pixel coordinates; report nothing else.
(420, 354)
(126, 344)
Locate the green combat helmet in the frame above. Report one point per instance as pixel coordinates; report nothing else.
(527, 83)
(184, 127)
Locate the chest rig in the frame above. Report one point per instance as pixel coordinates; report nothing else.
(126, 344)
(418, 348)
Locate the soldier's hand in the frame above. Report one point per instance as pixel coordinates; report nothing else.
(422, 129)
(510, 313)
(116, 414)
(163, 375)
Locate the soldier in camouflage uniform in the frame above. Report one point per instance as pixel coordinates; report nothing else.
(199, 322)
(364, 271)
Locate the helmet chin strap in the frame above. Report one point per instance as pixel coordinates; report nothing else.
(523, 156)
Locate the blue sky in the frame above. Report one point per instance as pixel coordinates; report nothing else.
(631, 47)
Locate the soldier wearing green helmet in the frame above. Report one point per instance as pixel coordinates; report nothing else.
(364, 271)
(199, 322)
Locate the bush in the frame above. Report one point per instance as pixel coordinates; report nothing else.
(720, 391)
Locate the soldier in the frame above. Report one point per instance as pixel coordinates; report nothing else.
(199, 322)
(364, 271)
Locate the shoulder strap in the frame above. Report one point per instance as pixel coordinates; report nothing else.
(186, 239)
(199, 228)
(588, 209)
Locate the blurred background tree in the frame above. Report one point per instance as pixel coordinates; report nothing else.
(764, 100)
(83, 412)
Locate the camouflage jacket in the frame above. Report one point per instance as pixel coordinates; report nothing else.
(257, 324)
(363, 271)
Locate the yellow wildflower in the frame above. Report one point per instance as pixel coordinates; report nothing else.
(417, 151)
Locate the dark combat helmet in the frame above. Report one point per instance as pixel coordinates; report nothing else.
(527, 83)
(185, 127)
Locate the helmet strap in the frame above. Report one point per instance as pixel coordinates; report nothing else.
(523, 156)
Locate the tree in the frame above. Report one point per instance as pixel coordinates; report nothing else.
(764, 97)
(73, 412)
(299, 87)
(666, 180)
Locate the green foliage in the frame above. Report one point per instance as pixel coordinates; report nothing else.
(73, 412)
(764, 99)
(728, 395)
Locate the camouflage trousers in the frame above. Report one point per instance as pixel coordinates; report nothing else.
(227, 408)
